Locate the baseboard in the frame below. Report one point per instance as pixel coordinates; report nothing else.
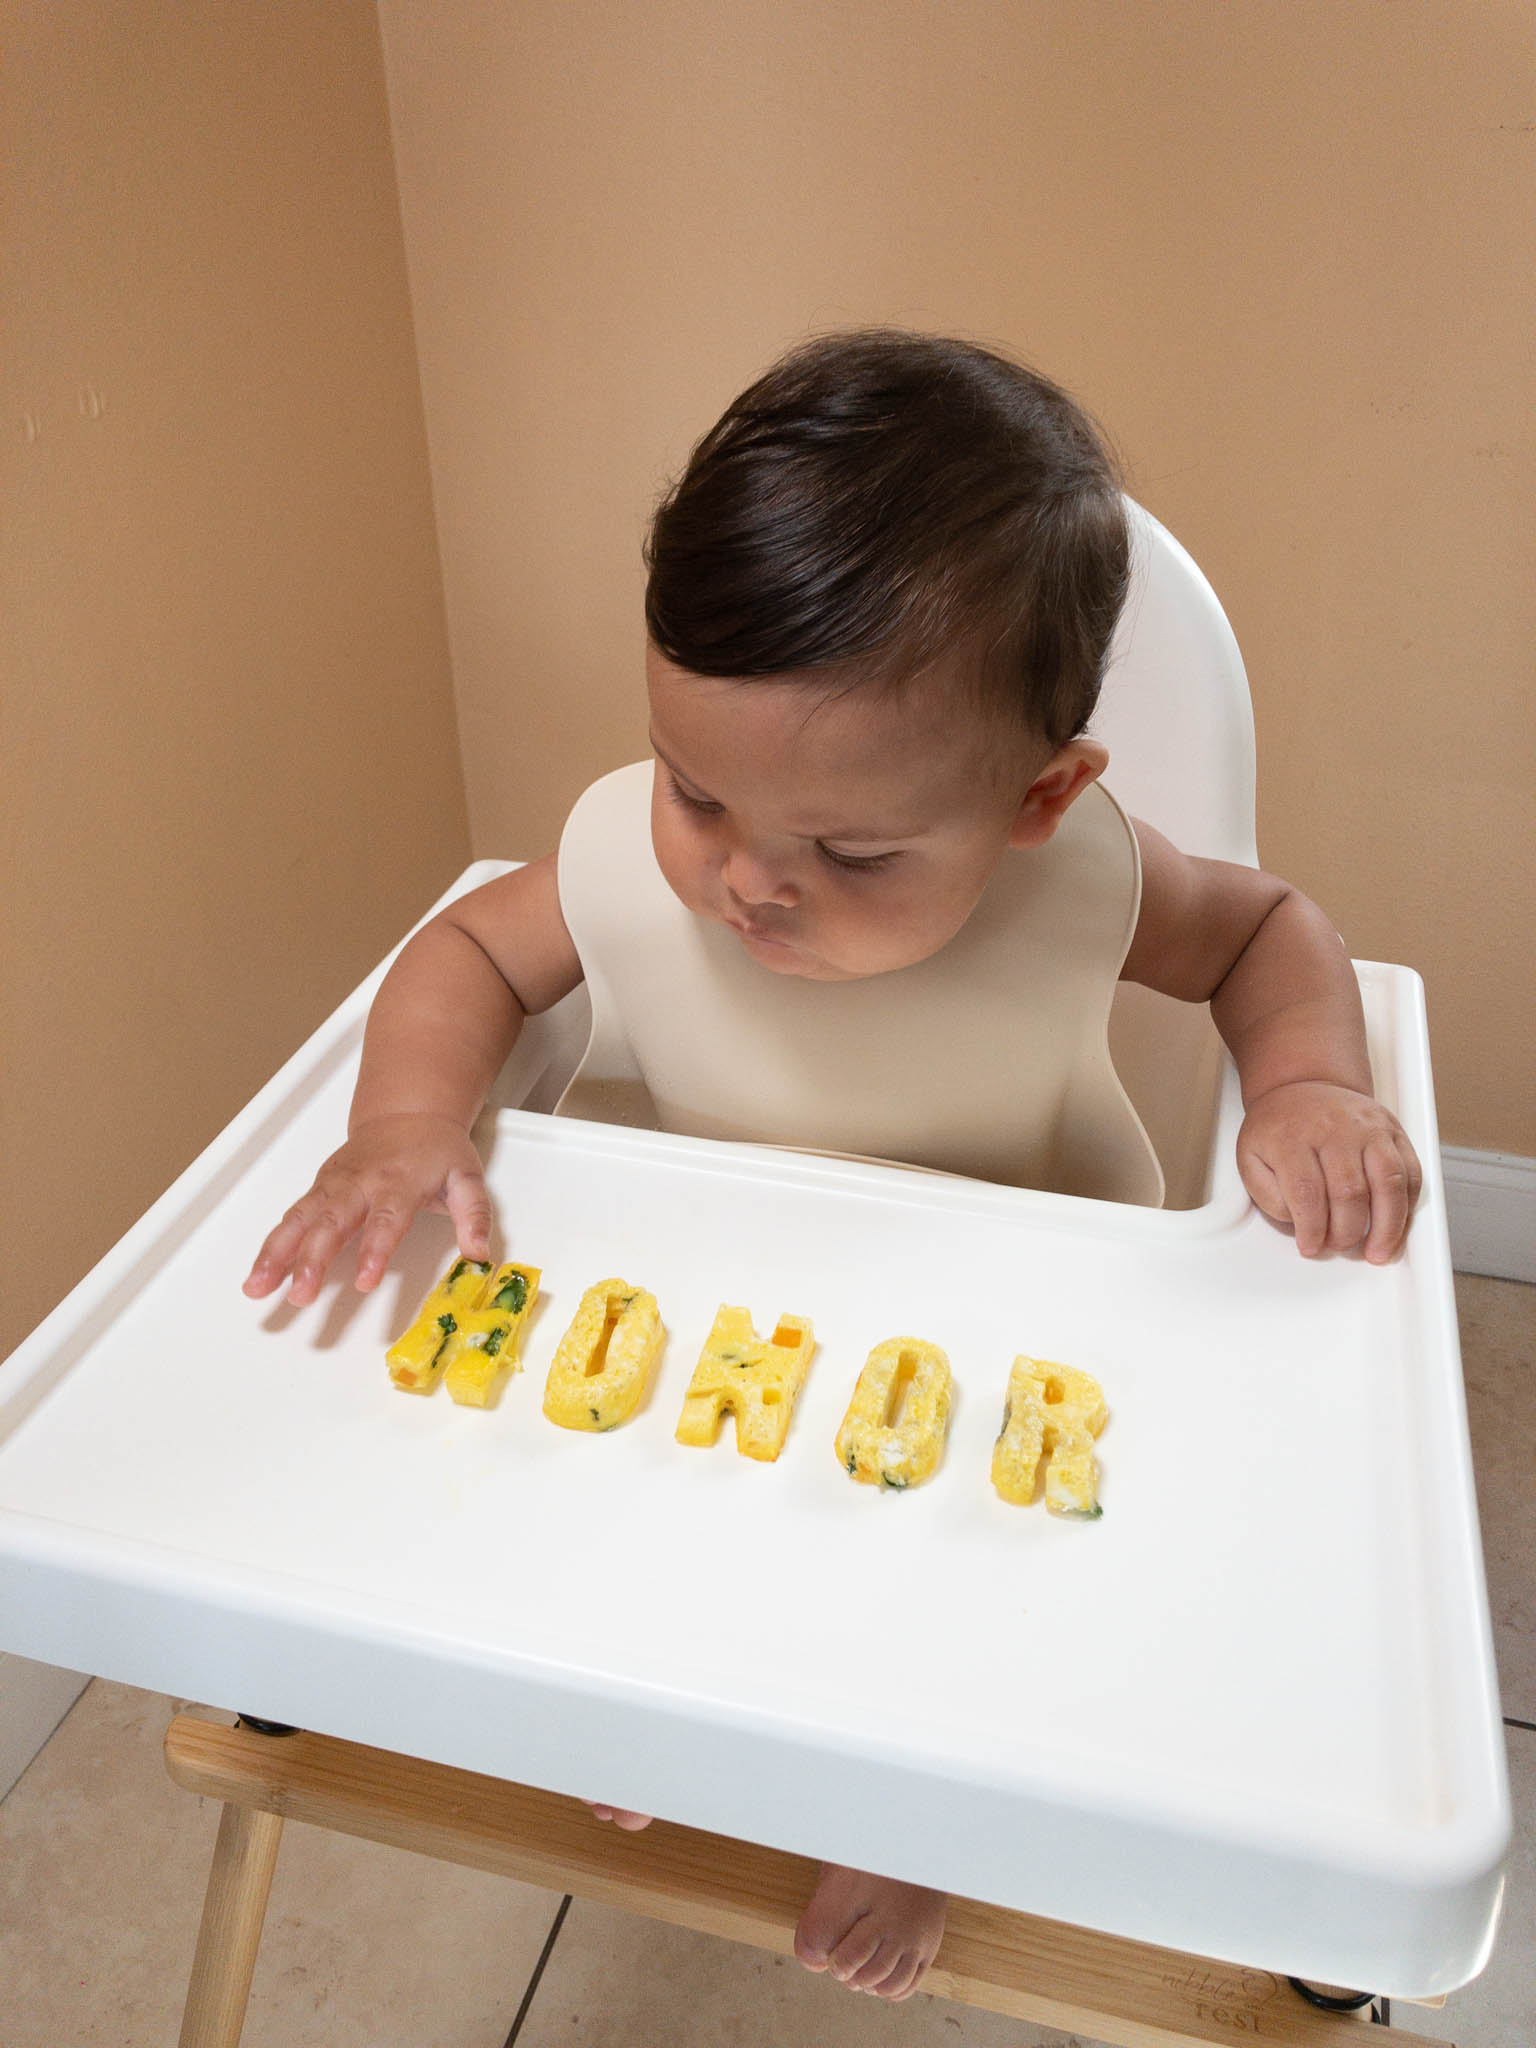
(1490, 1199)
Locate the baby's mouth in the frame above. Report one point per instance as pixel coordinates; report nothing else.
(757, 934)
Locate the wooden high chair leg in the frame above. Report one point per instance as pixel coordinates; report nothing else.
(233, 1911)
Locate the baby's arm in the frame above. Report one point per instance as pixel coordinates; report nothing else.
(444, 1020)
(1316, 1149)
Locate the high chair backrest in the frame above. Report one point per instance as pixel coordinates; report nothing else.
(1176, 717)
(1175, 712)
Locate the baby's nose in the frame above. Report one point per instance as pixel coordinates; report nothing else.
(755, 879)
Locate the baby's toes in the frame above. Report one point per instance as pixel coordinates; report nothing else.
(821, 1927)
(892, 1972)
(857, 1954)
(619, 1815)
(905, 1977)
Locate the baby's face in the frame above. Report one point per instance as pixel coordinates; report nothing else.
(838, 838)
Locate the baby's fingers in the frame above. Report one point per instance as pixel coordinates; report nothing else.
(469, 1205)
(389, 1218)
(274, 1262)
(1292, 1188)
(1348, 1192)
(304, 1244)
(336, 1222)
(1392, 1167)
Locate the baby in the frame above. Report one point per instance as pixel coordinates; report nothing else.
(879, 605)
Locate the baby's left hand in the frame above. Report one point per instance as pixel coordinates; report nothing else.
(1334, 1164)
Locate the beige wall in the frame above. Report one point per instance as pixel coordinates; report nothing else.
(1282, 247)
(231, 768)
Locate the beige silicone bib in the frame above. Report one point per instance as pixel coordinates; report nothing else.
(989, 1059)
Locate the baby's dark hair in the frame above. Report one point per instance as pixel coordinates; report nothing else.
(878, 498)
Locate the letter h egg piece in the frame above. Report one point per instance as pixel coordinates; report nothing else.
(1054, 1412)
(483, 1350)
(757, 1380)
(601, 1370)
(416, 1359)
(893, 1433)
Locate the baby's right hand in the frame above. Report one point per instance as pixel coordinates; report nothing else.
(390, 1167)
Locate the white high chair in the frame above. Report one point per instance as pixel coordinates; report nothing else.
(1251, 1714)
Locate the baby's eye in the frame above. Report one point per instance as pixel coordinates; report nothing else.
(858, 863)
(703, 804)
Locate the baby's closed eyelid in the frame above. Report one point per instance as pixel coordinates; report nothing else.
(704, 804)
(858, 863)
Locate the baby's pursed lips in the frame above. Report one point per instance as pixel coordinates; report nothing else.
(760, 932)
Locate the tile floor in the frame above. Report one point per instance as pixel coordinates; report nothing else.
(103, 1861)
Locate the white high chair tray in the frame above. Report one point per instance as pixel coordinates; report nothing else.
(1251, 1711)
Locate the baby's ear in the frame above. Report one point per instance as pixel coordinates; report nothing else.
(1055, 789)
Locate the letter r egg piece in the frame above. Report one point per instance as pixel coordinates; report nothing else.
(893, 1433)
(603, 1366)
(482, 1352)
(758, 1380)
(1054, 1412)
(417, 1358)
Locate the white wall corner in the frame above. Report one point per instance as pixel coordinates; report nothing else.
(1490, 1199)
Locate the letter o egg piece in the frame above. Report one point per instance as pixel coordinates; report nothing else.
(893, 1433)
(758, 1380)
(603, 1365)
(1054, 1412)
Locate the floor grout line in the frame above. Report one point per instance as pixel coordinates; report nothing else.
(538, 1970)
(1514, 1721)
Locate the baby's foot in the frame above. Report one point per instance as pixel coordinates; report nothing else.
(620, 1816)
(872, 1933)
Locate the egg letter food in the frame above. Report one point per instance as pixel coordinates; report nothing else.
(468, 1330)
(757, 1380)
(893, 1434)
(416, 1360)
(603, 1365)
(1054, 1412)
(482, 1351)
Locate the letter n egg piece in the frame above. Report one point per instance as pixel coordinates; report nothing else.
(757, 1379)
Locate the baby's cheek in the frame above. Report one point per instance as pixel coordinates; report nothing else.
(888, 937)
(680, 873)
